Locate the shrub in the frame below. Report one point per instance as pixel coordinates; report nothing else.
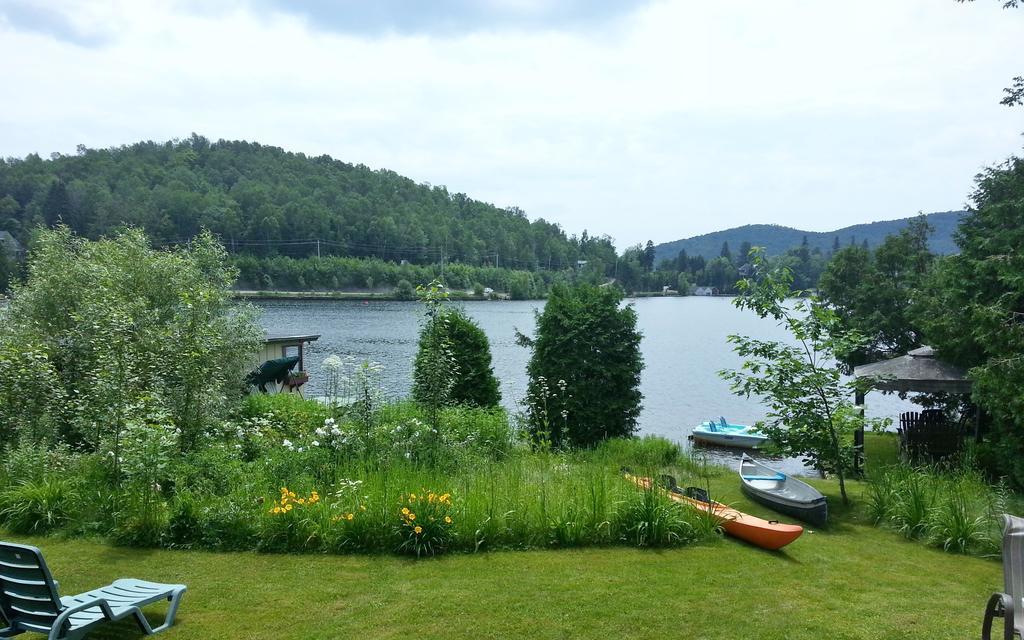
(651, 519)
(589, 348)
(121, 329)
(648, 452)
(952, 509)
(474, 383)
(286, 414)
(425, 523)
(405, 291)
(435, 368)
(37, 506)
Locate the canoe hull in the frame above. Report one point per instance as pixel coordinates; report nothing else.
(782, 493)
(814, 513)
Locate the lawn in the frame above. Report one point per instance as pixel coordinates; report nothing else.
(853, 581)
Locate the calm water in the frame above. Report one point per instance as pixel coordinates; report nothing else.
(684, 345)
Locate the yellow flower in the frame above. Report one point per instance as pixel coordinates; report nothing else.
(412, 516)
(288, 507)
(448, 519)
(302, 501)
(350, 516)
(362, 507)
(412, 496)
(418, 530)
(405, 511)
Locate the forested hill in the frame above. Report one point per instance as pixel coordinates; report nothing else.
(777, 239)
(266, 201)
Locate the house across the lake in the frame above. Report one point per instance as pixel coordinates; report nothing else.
(705, 291)
(11, 245)
(281, 364)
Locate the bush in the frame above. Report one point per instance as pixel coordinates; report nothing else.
(286, 415)
(405, 291)
(585, 368)
(37, 506)
(346, 493)
(652, 519)
(952, 509)
(473, 381)
(425, 523)
(111, 331)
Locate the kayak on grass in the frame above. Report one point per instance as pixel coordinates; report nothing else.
(767, 534)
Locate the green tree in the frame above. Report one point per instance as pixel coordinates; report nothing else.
(435, 369)
(684, 284)
(647, 256)
(585, 367)
(474, 383)
(874, 293)
(809, 409)
(404, 290)
(130, 333)
(7, 269)
(972, 305)
(722, 274)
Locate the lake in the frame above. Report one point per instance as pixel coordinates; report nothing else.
(684, 345)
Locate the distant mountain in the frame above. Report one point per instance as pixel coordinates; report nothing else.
(776, 238)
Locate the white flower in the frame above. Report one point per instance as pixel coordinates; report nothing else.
(315, 443)
(238, 446)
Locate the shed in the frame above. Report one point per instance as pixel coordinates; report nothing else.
(281, 361)
(285, 346)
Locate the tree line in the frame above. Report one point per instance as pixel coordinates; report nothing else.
(263, 201)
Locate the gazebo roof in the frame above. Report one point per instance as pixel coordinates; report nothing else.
(919, 371)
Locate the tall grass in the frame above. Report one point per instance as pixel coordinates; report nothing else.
(499, 494)
(955, 509)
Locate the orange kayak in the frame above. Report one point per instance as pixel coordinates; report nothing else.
(767, 534)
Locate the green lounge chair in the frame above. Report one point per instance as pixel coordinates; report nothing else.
(1007, 605)
(29, 600)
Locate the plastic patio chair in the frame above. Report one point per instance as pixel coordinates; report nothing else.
(1008, 604)
(29, 599)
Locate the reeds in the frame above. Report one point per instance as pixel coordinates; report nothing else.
(955, 509)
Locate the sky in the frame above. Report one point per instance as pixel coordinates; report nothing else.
(637, 119)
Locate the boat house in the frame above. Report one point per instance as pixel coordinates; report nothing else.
(281, 364)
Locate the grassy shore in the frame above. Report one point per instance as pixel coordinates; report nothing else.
(852, 581)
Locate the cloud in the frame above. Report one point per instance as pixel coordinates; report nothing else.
(672, 119)
(447, 17)
(34, 17)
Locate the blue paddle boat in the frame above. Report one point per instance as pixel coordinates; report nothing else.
(723, 434)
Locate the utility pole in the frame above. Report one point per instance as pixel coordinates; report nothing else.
(444, 248)
(318, 248)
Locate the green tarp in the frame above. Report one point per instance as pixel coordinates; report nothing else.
(276, 370)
